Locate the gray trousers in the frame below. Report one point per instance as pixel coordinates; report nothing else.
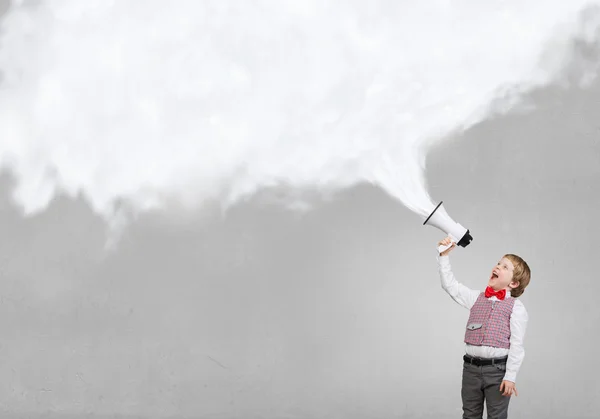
(483, 383)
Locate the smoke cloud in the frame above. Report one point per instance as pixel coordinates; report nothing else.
(150, 103)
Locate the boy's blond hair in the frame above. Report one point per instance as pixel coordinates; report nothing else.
(521, 274)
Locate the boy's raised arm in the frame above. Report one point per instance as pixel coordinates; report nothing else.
(460, 293)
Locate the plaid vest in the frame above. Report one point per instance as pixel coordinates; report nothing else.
(489, 322)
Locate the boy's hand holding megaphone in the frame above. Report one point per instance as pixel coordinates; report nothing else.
(446, 242)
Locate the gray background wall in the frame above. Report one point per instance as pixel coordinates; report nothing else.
(336, 313)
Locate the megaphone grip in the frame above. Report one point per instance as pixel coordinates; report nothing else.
(443, 248)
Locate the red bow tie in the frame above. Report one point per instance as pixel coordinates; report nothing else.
(489, 291)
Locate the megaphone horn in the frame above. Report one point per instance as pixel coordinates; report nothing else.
(440, 219)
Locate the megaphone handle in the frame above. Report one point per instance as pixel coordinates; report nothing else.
(443, 248)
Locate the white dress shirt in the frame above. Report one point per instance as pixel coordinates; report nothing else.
(466, 297)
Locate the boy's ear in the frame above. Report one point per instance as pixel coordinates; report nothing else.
(513, 284)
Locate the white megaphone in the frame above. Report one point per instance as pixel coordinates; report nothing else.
(440, 219)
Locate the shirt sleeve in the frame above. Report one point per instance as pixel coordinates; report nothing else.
(460, 293)
(516, 353)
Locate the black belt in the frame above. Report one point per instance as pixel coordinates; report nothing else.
(484, 361)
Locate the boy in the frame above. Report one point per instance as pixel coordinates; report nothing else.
(494, 333)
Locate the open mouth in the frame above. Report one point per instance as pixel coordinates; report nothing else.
(494, 276)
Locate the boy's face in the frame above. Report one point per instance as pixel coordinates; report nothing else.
(502, 275)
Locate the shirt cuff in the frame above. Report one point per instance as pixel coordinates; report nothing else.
(443, 260)
(510, 376)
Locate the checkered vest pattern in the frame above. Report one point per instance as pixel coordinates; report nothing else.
(489, 322)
